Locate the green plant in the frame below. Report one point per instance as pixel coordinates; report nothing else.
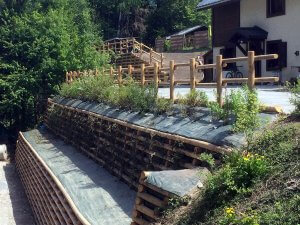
(295, 99)
(243, 105)
(238, 175)
(208, 158)
(194, 98)
(218, 112)
(39, 42)
(167, 45)
(174, 203)
(163, 105)
(232, 218)
(245, 108)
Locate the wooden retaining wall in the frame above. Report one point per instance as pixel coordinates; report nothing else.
(48, 199)
(125, 149)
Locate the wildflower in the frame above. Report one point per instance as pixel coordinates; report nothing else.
(229, 211)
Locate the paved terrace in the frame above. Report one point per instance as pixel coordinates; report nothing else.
(268, 95)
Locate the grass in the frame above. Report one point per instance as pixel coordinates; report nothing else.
(258, 185)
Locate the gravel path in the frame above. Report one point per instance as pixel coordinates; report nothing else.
(14, 206)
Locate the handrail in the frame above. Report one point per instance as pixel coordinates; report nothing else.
(124, 46)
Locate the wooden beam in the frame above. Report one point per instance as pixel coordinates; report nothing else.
(172, 80)
(251, 70)
(192, 73)
(219, 74)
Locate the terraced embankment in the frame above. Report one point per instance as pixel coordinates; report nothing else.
(65, 187)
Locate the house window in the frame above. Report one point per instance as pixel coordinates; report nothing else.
(280, 48)
(275, 8)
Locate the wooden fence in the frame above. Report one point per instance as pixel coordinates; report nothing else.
(168, 77)
(131, 45)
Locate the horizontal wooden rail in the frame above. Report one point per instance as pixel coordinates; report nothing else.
(245, 80)
(158, 75)
(256, 58)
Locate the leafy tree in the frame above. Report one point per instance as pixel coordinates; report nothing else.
(170, 16)
(38, 44)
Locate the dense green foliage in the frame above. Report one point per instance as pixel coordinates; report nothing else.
(148, 19)
(170, 16)
(39, 42)
(258, 185)
(243, 105)
(129, 96)
(194, 99)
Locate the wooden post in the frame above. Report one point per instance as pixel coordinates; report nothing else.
(143, 75)
(120, 75)
(161, 60)
(67, 77)
(156, 69)
(130, 70)
(251, 70)
(172, 79)
(111, 72)
(150, 56)
(141, 50)
(192, 73)
(219, 74)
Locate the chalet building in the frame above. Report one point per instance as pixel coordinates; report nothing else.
(263, 26)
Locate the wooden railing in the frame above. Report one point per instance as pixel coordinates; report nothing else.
(139, 74)
(131, 45)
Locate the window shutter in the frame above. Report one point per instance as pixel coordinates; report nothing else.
(283, 54)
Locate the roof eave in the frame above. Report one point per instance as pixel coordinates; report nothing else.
(211, 5)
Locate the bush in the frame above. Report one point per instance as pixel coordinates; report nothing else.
(37, 46)
(237, 176)
(194, 99)
(208, 158)
(163, 105)
(130, 96)
(243, 105)
(232, 218)
(295, 99)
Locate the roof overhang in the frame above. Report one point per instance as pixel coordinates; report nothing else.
(245, 34)
(206, 4)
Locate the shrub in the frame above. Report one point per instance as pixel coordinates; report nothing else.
(129, 96)
(232, 218)
(218, 112)
(237, 176)
(38, 45)
(208, 158)
(133, 96)
(163, 105)
(243, 105)
(194, 98)
(295, 99)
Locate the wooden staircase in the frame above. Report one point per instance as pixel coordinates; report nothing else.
(130, 50)
(133, 53)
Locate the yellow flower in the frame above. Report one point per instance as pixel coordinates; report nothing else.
(246, 158)
(229, 211)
